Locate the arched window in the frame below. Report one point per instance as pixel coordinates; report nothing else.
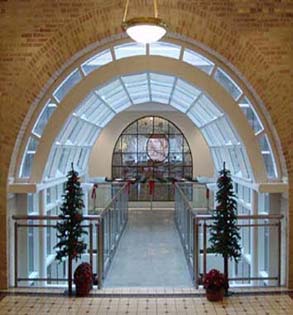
(152, 148)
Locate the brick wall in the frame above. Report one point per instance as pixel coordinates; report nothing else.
(38, 36)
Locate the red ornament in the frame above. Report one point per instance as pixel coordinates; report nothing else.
(77, 217)
(94, 195)
(152, 187)
(128, 186)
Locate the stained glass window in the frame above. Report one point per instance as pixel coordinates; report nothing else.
(152, 148)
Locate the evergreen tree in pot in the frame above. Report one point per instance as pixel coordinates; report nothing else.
(224, 233)
(69, 229)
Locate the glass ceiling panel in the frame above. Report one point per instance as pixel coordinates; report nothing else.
(219, 158)
(209, 106)
(234, 160)
(267, 156)
(201, 114)
(137, 87)
(82, 159)
(194, 116)
(73, 78)
(204, 111)
(83, 133)
(67, 129)
(27, 160)
(208, 137)
(97, 61)
(198, 61)
(251, 115)
(214, 134)
(92, 136)
(161, 87)
(115, 96)
(52, 161)
(95, 110)
(129, 50)
(102, 114)
(87, 106)
(44, 118)
(184, 95)
(165, 49)
(74, 136)
(242, 159)
(227, 83)
(215, 158)
(65, 152)
(227, 131)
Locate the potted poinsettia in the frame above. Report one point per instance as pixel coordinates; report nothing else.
(83, 279)
(215, 284)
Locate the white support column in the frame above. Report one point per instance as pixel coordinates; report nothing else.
(254, 238)
(21, 207)
(85, 191)
(275, 206)
(42, 238)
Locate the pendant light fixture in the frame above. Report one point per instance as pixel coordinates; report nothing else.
(143, 29)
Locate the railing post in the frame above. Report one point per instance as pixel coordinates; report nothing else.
(15, 254)
(255, 239)
(195, 251)
(91, 245)
(100, 252)
(208, 198)
(188, 229)
(279, 252)
(204, 248)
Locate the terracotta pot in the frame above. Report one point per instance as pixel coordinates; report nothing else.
(82, 289)
(215, 295)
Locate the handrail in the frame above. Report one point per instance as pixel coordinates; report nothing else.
(50, 217)
(205, 217)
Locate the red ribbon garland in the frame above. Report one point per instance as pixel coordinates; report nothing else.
(128, 186)
(94, 195)
(173, 186)
(152, 187)
(207, 193)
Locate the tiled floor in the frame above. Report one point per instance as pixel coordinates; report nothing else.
(234, 305)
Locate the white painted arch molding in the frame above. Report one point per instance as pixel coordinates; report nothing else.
(156, 64)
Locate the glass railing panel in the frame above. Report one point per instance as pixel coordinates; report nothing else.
(260, 260)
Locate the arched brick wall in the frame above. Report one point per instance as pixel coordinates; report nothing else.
(39, 38)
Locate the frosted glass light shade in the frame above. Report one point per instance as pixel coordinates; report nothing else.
(145, 30)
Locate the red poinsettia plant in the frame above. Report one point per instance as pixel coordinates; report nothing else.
(215, 280)
(83, 274)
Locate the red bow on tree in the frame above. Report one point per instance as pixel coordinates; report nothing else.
(94, 195)
(207, 193)
(152, 186)
(128, 186)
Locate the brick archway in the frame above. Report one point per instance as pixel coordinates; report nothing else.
(36, 53)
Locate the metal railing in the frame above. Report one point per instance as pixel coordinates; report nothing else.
(104, 232)
(193, 227)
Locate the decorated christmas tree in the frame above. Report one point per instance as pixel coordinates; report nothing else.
(69, 229)
(224, 232)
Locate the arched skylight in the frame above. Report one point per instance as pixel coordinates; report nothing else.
(152, 87)
(120, 93)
